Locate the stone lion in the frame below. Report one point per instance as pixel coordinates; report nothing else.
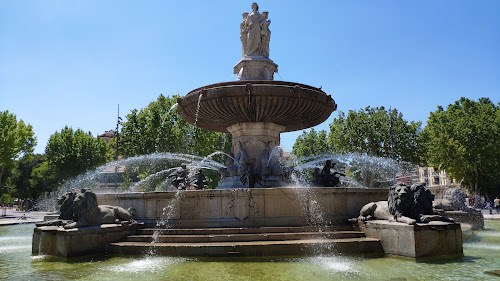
(66, 209)
(66, 202)
(453, 200)
(406, 204)
(86, 212)
(398, 206)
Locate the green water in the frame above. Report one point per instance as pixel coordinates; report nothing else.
(481, 252)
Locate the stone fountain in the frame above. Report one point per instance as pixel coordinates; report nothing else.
(255, 109)
(272, 221)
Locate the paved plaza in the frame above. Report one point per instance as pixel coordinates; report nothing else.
(10, 216)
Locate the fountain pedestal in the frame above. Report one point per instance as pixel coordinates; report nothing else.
(58, 241)
(435, 238)
(257, 138)
(255, 142)
(255, 68)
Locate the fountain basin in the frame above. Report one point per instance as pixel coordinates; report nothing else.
(291, 105)
(255, 112)
(245, 207)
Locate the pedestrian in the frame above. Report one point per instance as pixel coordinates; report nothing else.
(497, 204)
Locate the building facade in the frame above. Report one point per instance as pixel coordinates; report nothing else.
(433, 178)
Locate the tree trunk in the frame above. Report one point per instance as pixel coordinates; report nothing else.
(364, 177)
(476, 185)
(1, 174)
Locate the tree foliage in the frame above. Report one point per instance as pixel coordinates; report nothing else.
(70, 153)
(158, 128)
(311, 143)
(464, 140)
(32, 176)
(16, 138)
(376, 132)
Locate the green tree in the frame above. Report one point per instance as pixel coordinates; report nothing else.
(160, 128)
(376, 132)
(157, 128)
(464, 140)
(70, 153)
(32, 176)
(311, 143)
(16, 138)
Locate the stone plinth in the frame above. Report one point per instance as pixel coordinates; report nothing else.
(474, 219)
(57, 241)
(255, 68)
(247, 207)
(416, 241)
(235, 182)
(254, 137)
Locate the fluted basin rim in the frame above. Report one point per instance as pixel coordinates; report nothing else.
(293, 105)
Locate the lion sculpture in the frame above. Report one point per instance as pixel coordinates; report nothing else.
(66, 202)
(406, 204)
(86, 212)
(454, 200)
(66, 209)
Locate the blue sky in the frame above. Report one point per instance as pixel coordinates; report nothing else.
(71, 62)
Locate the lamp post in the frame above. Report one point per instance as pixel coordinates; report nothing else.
(117, 135)
(392, 144)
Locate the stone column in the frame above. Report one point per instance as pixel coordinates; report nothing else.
(253, 138)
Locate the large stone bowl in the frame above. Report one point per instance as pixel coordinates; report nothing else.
(292, 105)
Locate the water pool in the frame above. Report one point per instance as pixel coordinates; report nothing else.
(481, 253)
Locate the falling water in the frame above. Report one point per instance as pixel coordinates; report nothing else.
(191, 131)
(163, 223)
(273, 157)
(362, 170)
(213, 154)
(197, 110)
(156, 166)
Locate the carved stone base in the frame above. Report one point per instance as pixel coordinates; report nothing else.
(254, 137)
(57, 241)
(416, 241)
(235, 182)
(475, 219)
(255, 68)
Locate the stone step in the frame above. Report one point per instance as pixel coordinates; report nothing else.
(305, 247)
(237, 230)
(239, 237)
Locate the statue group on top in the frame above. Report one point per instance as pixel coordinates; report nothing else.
(254, 33)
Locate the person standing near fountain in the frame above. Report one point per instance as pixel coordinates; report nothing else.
(497, 204)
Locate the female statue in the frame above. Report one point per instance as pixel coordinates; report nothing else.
(266, 34)
(244, 34)
(253, 28)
